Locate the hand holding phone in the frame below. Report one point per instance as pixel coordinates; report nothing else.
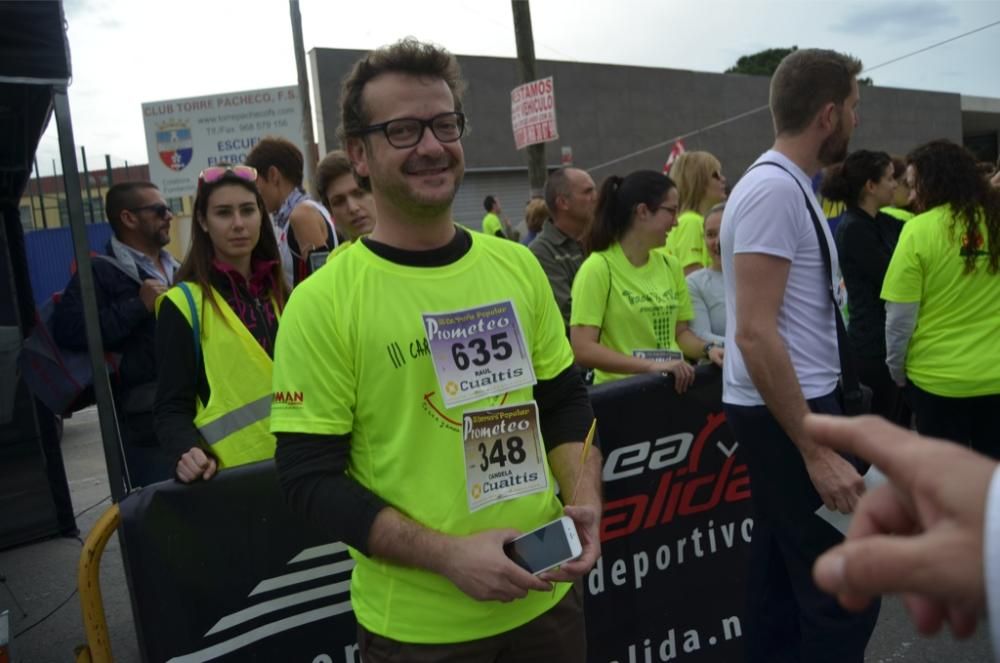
(546, 547)
(477, 565)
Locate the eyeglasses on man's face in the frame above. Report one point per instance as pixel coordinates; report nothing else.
(159, 209)
(408, 131)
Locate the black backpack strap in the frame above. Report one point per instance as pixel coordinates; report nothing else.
(848, 369)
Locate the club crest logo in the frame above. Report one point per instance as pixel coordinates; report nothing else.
(174, 144)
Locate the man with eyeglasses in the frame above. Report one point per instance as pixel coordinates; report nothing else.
(134, 271)
(406, 351)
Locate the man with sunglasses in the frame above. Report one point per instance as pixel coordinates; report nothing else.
(403, 352)
(135, 270)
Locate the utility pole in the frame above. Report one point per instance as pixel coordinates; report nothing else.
(537, 172)
(310, 156)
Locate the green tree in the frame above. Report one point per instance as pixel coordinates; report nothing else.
(763, 63)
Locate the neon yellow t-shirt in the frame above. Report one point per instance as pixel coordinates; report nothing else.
(687, 240)
(636, 308)
(343, 246)
(492, 225)
(897, 213)
(354, 351)
(953, 351)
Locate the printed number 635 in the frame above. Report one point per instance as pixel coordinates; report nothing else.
(500, 348)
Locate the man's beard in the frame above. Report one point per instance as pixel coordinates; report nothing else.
(158, 237)
(834, 148)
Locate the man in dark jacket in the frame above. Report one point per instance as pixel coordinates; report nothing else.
(137, 270)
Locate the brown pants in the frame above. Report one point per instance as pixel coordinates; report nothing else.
(557, 636)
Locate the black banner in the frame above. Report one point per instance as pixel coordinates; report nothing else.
(676, 527)
(222, 571)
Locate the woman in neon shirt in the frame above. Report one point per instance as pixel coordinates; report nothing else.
(631, 306)
(700, 185)
(942, 293)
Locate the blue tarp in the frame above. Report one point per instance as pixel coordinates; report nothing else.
(50, 257)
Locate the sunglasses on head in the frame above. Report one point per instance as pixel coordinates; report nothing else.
(216, 173)
(159, 209)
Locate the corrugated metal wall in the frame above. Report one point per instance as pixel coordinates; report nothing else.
(511, 187)
(50, 257)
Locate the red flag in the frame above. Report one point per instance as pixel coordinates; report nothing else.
(675, 151)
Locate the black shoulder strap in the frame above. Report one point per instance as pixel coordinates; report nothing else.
(848, 369)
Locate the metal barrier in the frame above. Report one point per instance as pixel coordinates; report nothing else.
(98, 647)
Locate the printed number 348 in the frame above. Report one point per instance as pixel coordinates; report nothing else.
(497, 456)
(498, 345)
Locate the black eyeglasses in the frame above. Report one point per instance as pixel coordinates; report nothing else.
(408, 131)
(159, 209)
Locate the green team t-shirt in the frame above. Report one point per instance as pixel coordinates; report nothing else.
(953, 351)
(897, 213)
(687, 240)
(492, 225)
(636, 308)
(343, 246)
(353, 358)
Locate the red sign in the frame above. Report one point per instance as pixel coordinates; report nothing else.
(675, 151)
(533, 113)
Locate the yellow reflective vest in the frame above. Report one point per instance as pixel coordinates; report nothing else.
(236, 419)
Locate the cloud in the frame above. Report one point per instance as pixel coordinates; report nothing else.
(897, 20)
(103, 13)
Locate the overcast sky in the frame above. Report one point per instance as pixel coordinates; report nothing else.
(126, 52)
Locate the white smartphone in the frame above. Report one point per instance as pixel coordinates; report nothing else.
(546, 547)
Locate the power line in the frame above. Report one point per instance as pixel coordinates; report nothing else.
(927, 48)
(754, 111)
(668, 141)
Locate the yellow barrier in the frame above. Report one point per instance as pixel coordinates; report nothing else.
(98, 647)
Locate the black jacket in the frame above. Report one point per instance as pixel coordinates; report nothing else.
(126, 326)
(865, 245)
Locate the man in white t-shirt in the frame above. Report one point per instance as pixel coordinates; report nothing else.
(782, 361)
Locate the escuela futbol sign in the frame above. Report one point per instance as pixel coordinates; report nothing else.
(533, 113)
(183, 136)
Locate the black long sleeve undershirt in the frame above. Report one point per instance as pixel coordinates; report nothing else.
(312, 468)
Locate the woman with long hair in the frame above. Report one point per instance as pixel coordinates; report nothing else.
(216, 328)
(631, 307)
(701, 185)
(866, 237)
(942, 293)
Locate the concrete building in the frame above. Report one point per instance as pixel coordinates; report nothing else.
(618, 119)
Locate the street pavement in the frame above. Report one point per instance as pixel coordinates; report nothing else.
(42, 576)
